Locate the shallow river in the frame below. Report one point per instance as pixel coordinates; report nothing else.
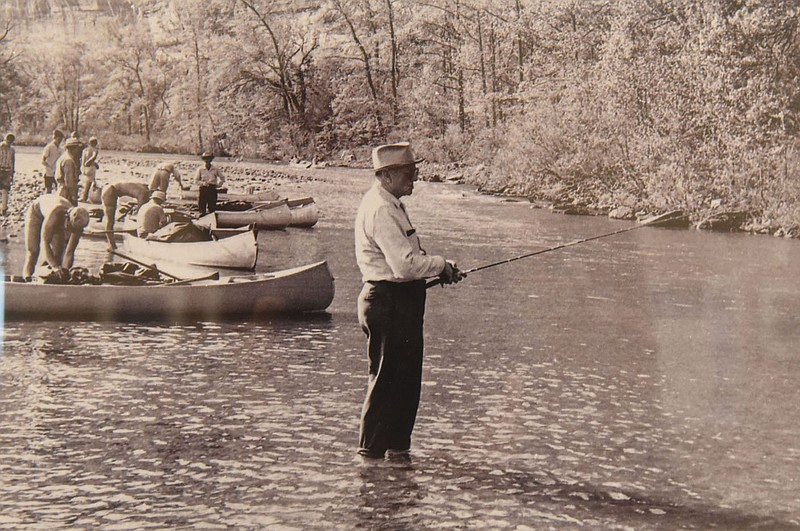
(643, 381)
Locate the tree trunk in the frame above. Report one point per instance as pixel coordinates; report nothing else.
(394, 70)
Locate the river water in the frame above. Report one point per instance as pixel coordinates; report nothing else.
(643, 381)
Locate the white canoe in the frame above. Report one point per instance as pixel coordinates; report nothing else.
(239, 251)
(304, 212)
(301, 289)
(272, 215)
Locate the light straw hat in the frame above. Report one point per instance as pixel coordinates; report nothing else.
(393, 156)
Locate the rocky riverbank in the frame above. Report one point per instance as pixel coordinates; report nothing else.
(591, 199)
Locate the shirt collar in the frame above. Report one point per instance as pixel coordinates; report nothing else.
(384, 193)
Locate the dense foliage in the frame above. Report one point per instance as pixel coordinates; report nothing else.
(650, 104)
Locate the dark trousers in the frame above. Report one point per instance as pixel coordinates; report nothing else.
(391, 314)
(207, 199)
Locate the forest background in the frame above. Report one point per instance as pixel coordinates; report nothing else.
(638, 105)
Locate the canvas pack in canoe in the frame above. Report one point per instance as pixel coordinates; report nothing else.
(239, 251)
(307, 288)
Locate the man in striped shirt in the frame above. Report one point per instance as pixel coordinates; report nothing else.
(7, 161)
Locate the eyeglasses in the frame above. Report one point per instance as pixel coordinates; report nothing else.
(405, 172)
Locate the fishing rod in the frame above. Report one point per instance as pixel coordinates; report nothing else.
(653, 221)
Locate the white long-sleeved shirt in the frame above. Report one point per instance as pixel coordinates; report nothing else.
(209, 176)
(387, 245)
(50, 155)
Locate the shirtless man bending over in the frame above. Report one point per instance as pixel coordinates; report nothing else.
(112, 192)
(52, 221)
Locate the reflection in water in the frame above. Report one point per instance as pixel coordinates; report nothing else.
(391, 496)
(645, 381)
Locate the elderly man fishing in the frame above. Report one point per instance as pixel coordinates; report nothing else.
(391, 305)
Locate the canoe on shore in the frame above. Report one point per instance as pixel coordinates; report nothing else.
(239, 251)
(270, 195)
(304, 212)
(307, 288)
(272, 215)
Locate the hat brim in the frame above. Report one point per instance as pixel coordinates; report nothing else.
(392, 166)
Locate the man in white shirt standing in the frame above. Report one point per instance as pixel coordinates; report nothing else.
(391, 305)
(50, 155)
(209, 179)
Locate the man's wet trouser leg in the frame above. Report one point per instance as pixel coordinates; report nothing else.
(391, 315)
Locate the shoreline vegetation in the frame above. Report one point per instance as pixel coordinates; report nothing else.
(588, 201)
(606, 108)
(242, 173)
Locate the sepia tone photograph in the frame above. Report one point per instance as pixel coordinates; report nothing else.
(399, 265)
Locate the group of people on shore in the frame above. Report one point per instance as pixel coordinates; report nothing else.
(56, 221)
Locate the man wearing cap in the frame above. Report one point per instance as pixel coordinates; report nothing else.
(52, 221)
(209, 178)
(50, 155)
(89, 165)
(160, 179)
(7, 162)
(111, 193)
(68, 170)
(391, 305)
(151, 216)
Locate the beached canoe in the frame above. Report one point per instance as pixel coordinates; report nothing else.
(239, 251)
(307, 288)
(270, 195)
(272, 215)
(304, 212)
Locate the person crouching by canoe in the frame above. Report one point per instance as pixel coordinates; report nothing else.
(113, 191)
(209, 178)
(52, 221)
(68, 170)
(160, 179)
(151, 216)
(392, 303)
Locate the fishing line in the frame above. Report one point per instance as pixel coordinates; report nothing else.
(657, 219)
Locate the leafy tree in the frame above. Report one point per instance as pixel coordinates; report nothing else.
(9, 78)
(140, 80)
